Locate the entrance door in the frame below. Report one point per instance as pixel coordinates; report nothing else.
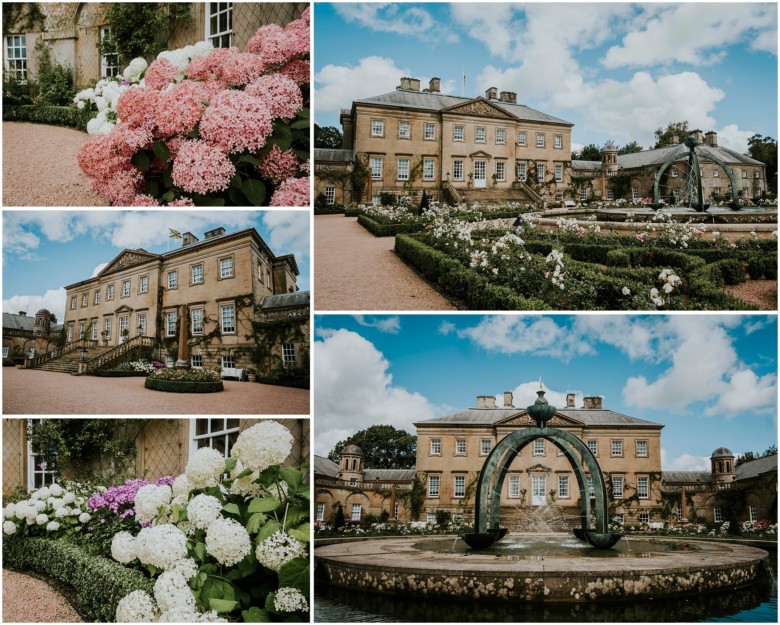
(538, 490)
(480, 176)
(124, 323)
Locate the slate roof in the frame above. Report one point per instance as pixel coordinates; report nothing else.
(586, 165)
(328, 155)
(658, 156)
(325, 466)
(489, 416)
(389, 475)
(403, 98)
(692, 477)
(285, 300)
(18, 322)
(754, 468)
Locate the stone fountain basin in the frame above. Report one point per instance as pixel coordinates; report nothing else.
(417, 567)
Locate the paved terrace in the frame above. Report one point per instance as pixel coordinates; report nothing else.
(29, 391)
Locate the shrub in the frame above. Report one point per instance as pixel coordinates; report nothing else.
(55, 82)
(99, 583)
(119, 373)
(762, 267)
(54, 115)
(183, 386)
(618, 258)
(386, 230)
(17, 92)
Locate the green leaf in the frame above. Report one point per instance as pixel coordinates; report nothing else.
(292, 476)
(236, 181)
(269, 603)
(244, 473)
(248, 158)
(235, 195)
(222, 605)
(161, 151)
(304, 113)
(206, 201)
(152, 569)
(168, 178)
(200, 551)
(255, 615)
(232, 508)
(282, 135)
(271, 527)
(263, 504)
(168, 197)
(301, 123)
(152, 188)
(253, 524)
(141, 160)
(254, 190)
(295, 574)
(302, 533)
(230, 464)
(302, 154)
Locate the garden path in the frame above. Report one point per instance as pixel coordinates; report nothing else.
(354, 270)
(40, 167)
(31, 600)
(61, 393)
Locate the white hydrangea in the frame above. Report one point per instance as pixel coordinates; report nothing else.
(84, 517)
(172, 592)
(55, 502)
(137, 607)
(42, 493)
(183, 616)
(203, 510)
(9, 511)
(53, 526)
(148, 500)
(56, 490)
(278, 549)
(181, 486)
(290, 600)
(187, 567)
(68, 498)
(9, 527)
(262, 445)
(42, 519)
(24, 510)
(61, 512)
(134, 69)
(30, 520)
(75, 512)
(245, 486)
(161, 546)
(228, 541)
(204, 467)
(39, 505)
(123, 547)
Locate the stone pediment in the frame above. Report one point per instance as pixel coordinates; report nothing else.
(479, 107)
(480, 154)
(523, 420)
(126, 259)
(538, 468)
(124, 308)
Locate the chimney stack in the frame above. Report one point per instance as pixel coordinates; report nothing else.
(698, 134)
(188, 239)
(570, 400)
(508, 97)
(486, 401)
(591, 403)
(508, 399)
(414, 84)
(675, 140)
(22, 313)
(435, 85)
(491, 94)
(216, 232)
(406, 84)
(711, 139)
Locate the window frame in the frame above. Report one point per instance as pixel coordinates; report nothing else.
(480, 130)
(141, 323)
(221, 36)
(429, 136)
(406, 168)
(168, 331)
(501, 171)
(434, 447)
(125, 289)
(434, 479)
(541, 171)
(408, 127)
(564, 493)
(521, 167)
(511, 491)
(143, 284)
(458, 441)
(74, 302)
(429, 176)
(540, 139)
(455, 133)
(616, 448)
(109, 292)
(33, 466)
(455, 175)
(377, 127)
(717, 514)
(373, 161)
(288, 354)
(231, 259)
(558, 172)
(558, 142)
(617, 480)
(193, 268)
(522, 138)
(539, 450)
(210, 435)
(19, 68)
(646, 452)
(482, 450)
(192, 361)
(222, 308)
(175, 274)
(501, 132)
(85, 299)
(643, 479)
(330, 195)
(109, 62)
(193, 327)
(458, 480)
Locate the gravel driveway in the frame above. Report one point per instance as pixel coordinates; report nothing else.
(29, 600)
(27, 391)
(354, 270)
(40, 167)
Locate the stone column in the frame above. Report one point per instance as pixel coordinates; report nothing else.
(683, 506)
(183, 361)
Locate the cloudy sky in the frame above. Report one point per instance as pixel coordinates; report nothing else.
(616, 70)
(44, 251)
(710, 379)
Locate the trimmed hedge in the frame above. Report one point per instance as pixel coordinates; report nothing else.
(54, 115)
(290, 382)
(328, 211)
(99, 583)
(177, 386)
(387, 230)
(120, 373)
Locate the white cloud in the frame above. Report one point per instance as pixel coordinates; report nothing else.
(633, 336)
(288, 233)
(353, 390)
(391, 325)
(338, 85)
(524, 394)
(744, 391)
(98, 269)
(447, 327)
(685, 462)
(53, 300)
(731, 136)
(388, 18)
(695, 34)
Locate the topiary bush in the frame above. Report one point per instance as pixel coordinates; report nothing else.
(99, 583)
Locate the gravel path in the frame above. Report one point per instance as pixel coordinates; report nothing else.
(354, 270)
(30, 600)
(27, 391)
(40, 167)
(761, 293)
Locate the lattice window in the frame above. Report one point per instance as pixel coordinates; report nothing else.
(219, 433)
(16, 56)
(219, 24)
(288, 354)
(39, 471)
(109, 61)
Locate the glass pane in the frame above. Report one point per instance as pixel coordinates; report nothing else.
(217, 425)
(230, 20)
(233, 423)
(218, 443)
(203, 442)
(213, 23)
(232, 439)
(223, 22)
(201, 426)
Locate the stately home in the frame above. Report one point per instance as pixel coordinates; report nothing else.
(73, 32)
(162, 447)
(25, 337)
(455, 148)
(540, 485)
(631, 176)
(235, 298)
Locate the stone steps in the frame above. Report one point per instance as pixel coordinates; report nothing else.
(69, 362)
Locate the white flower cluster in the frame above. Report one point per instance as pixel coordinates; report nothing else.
(103, 98)
(655, 297)
(203, 510)
(161, 546)
(204, 467)
(558, 274)
(262, 445)
(670, 280)
(228, 541)
(181, 486)
(44, 506)
(123, 547)
(290, 600)
(137, 607)
(181, 58)
(246, 485)
(278, 549)
(149, 499)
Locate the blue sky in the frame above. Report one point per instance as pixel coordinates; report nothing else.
(617, 71)
(44, 251)
(710, 379)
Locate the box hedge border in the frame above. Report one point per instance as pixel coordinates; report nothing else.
(54, 115)
(182, 386)
(99, 583)
(120, 373)
(387, 230)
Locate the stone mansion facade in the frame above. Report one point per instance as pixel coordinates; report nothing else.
(224, 287)
(452, 449)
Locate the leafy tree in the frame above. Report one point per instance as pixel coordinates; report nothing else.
(327, 137)
(590, 152)
(664, 136)
(764, 149)
(338, 519)
(630, 148)
(384, 447)
(751, 455)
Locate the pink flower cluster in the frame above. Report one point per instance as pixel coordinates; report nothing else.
(121, 499)
(160, 74)
(281, 94)
(278, 166)
(236, 121)
(292, 192)
(202, 168)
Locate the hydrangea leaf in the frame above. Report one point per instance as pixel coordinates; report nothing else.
(200, 551)
(254, 190)
(271, 527)
(295, 574)
(263, 504)
(141, 160)
(230, 464)
(222, 605)
(255, 615)
(253, 524)
(292, 476)
(302, 533)
(248, 158)
(161, 151)
(232, 508)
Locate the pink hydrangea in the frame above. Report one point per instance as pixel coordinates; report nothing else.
(297, 38)
(210, 67)
(280, 93)
(298, 70)
(240, 69)
(237, 121)
(278, 166)
(129, 139)
(182, 201)
(137, 107)
(270, 43)
(121, 188)
(143, 200)
(202, 168)
(292, 192)
(160, 74)
(180, 108)
(305, 167)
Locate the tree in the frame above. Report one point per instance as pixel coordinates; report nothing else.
(764, 149)
(327, 137)
(630, 148)
(665, 136)
(384, 447)
(750, 455)
(590, 152)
